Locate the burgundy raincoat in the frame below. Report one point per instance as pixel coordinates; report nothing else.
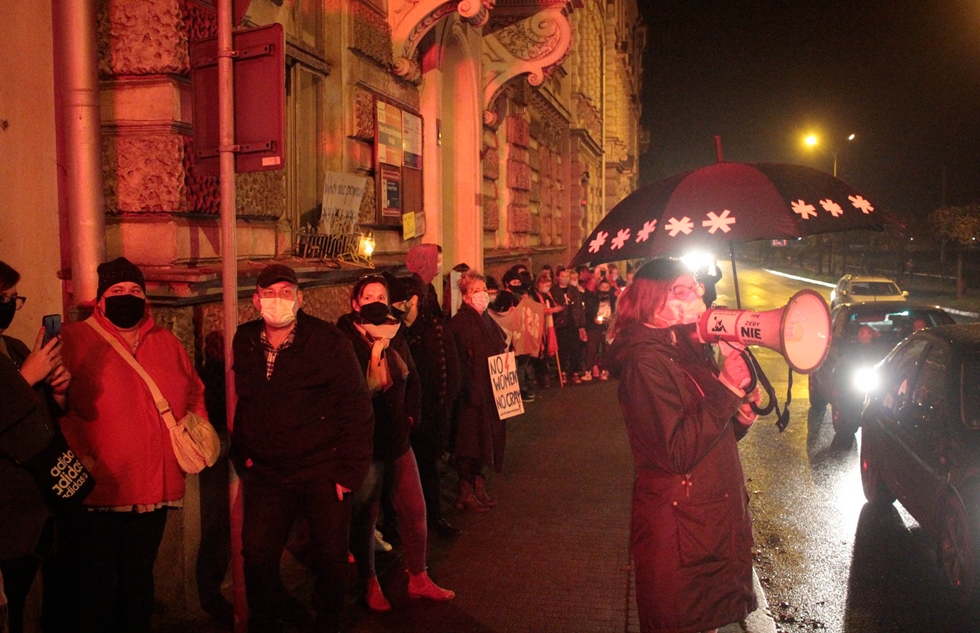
(691, 531)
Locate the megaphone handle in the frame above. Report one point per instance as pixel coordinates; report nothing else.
(759, 377)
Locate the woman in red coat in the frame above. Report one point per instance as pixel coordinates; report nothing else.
(691, 531)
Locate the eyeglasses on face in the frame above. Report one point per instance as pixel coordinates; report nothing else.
(17, 300)
(683, 292)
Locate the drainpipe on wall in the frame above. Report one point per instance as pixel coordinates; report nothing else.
(82, 126)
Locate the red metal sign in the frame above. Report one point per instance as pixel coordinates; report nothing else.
(260, 98)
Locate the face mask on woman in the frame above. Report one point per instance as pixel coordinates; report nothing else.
(124, 311)
(7, 310)
(480, 301)
(677, 311)
(375, 313)
(278, 312)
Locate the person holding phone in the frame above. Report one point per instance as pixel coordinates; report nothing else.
(102, 574)
(29, 381)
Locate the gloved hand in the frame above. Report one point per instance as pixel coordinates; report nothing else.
(735, 373)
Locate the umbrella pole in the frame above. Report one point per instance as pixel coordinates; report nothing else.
(731, 254)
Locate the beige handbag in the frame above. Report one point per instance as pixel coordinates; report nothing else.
(195, 441)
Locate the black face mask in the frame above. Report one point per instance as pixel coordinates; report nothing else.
(125, 311)
(604, 296)
(7, 310)
(375, 313)
(397, 313)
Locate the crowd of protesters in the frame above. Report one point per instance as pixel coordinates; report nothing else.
(358, 446)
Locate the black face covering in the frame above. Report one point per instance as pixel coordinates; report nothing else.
(375, 313)
(397, 313)
(124, 311)
(7, 309)
(603, 296)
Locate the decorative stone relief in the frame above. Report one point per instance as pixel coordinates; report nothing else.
(518, 175)
(410, 20)
(261, 193)
(363, 114)
(372, 34)
(491, 214)
(369, 203)
(142, 38)
(491, 164)
(525, 47)
(519, 218)
(201, 21)
(144, 173)
(203, 192)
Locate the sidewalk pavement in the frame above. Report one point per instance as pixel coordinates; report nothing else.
(553, 555)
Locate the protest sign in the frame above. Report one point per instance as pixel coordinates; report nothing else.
(506, 390)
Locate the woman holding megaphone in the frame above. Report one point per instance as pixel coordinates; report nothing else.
(691, 531)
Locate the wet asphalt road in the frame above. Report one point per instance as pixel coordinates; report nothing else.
(826, 559)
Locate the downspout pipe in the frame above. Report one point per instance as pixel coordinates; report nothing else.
(82, 125)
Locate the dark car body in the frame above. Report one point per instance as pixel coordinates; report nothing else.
(920, 442)
(832, 382)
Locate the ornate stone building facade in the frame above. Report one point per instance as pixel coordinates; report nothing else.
(525, 116)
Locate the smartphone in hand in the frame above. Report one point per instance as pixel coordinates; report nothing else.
(52, 327)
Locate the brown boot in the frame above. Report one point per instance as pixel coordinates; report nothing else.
(465, 500)
(480, 492)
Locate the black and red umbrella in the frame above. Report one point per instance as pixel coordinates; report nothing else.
(725, 203)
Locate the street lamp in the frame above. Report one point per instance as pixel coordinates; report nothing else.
(813, 141)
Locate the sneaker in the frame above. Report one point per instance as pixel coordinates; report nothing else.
(421, 586)
(586, 376)
(527, 397)
(576, 380)
(604, 375)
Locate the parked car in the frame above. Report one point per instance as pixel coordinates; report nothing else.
(861, 288)
(861, 335)
(920, 443)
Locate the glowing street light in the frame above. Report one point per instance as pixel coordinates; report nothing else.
(813, 141)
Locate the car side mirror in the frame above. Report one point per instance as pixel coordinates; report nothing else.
(905, 293)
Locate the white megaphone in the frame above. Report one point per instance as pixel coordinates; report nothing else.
(799, 331)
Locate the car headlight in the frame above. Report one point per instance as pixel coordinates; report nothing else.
(865, 379)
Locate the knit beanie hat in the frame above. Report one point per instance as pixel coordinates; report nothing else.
(118, 271)
(423, 260)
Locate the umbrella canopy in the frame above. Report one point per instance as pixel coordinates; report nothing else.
(724, 203)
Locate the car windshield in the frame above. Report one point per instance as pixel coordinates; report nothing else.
(888, 327)
(970, 392)
(875, 288)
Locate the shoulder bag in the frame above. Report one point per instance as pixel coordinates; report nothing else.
(195, 441)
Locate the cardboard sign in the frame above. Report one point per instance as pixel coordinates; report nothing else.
(506, 390)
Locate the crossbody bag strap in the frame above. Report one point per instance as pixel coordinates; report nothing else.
(158, 399)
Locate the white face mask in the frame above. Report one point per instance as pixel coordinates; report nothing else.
(278, 312)
(480, 301)
(676, 312)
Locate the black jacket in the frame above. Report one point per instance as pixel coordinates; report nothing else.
(434, 351)
(691, 534)
(314, 411)
(397, 409)
(26, 426)
(573, 316)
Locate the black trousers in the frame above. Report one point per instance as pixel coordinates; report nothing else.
(101, 576)
(428, 451)
(18, 576)
(570, 348)
(272, 503)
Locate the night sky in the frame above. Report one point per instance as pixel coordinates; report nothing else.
(903, 76)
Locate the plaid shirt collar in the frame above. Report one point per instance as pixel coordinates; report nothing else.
(271, 353)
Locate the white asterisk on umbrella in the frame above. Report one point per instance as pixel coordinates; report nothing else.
(722, 221)
(831, 207)
(804, 210)
(620, 239)
(675, 226)
(644, 233)
(860, 203)
(597, 243)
